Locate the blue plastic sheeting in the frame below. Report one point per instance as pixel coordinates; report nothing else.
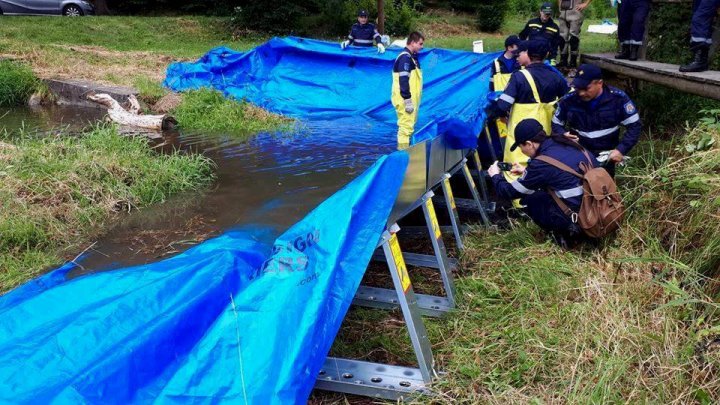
(229, 320)
(315, 80)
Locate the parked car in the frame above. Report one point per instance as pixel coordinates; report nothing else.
(72, 8)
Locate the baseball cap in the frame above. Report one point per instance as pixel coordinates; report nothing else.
(546, 8)
(586, 73)
(512, 40)
(362, 13)
(534, 47)
(526, 130)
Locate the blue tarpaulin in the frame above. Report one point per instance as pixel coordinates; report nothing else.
(312, 79)
(229, 320)
(235, 319)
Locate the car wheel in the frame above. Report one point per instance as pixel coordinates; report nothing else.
(72, 11)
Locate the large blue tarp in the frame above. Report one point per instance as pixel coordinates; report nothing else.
(312, 79)
(229, 320)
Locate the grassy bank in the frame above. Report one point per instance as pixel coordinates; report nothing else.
(17, 83)
(57, 192)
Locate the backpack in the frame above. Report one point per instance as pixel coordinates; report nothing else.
(601, 209)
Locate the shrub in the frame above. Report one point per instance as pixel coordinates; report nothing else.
(490, 15)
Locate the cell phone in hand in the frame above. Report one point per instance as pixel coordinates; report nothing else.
(505, 166)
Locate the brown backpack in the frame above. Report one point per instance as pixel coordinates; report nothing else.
(602, 208)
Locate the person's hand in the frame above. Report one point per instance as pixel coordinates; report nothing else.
(615, 156)
(517, 169)
(381, 48)
(344, 44)
(581, 6)
(493, 170)
(570, 136)
(409, 107)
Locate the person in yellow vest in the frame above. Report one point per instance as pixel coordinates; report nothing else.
(407, 88)
(503, 67)
(531, 93)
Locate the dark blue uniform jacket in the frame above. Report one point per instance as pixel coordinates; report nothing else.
(539, 176)
(547, 31)
(550, 84)
(405, 63)
(598, 121)
(363, 34)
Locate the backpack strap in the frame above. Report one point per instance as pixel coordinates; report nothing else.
(560, 165)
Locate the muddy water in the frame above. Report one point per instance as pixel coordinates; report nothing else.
(268, 182)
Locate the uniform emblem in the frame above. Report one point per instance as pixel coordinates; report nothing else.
(630, 107)
(406, 67)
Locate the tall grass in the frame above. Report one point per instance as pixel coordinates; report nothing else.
(209, 110)
(58, 191)
(17, 83)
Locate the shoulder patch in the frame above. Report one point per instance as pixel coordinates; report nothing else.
(406, 67)
(630, 108)
(616, 91)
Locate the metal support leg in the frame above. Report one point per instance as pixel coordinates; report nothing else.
(481, 180)
(474, 191)
(429, 305)
(381, 380)
(452, 211)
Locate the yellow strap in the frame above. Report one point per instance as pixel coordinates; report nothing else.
(531, 81)
(497, 66)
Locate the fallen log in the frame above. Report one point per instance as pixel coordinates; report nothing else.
(132, 117)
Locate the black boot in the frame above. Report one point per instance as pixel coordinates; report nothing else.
(699, 63)
(624, 53)
(563, 61)
(634, 49)
(573, 61)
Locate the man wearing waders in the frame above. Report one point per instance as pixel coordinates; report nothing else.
(531, 93)
(363, 33)
(570, 21)
(701, 32)
(503, 67)
(631, 27)
(407, 88)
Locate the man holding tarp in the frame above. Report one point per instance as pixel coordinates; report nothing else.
(363, 33)
(407, 88)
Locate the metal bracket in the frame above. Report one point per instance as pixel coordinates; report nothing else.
(381, 380)
(474, 191)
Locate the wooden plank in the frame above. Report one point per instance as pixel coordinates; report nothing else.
(705, 84)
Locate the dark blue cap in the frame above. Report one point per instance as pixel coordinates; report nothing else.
(526, 130)
(362, 13)
(534, 47)
(546, 8)
(512, 40)
(586, 73)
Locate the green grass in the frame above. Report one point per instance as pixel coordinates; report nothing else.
(209, 110)
(17, 83)
(57, 192)
(149, 91)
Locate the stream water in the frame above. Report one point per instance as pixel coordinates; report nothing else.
(269, 181)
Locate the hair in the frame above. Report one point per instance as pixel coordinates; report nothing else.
(415, 37)
(559, 138)
(536, 58)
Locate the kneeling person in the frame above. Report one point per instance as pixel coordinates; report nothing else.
(539, 179)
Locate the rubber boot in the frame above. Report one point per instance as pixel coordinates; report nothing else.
(624, 52)
(634, 50)
(563, 61)
(699, 63)
(573, 61)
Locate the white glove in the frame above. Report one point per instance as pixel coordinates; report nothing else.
(344, 44)
(409, 107)
(381, 48)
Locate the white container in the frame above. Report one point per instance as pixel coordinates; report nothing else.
(478, 46)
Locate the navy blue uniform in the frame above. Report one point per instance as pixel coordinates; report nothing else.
(631, 21)
(506, 66)
(547, 31)
(551, 86)
(363, 35)
(405, 63)
(701, 26)
(532, 187)
(598, 121)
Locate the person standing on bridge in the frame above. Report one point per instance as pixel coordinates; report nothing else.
(570, 21)
(531, 93)
(593, 115)
(701, 32)
(363, 33)
(632, 15)
(407, 88)
(543, 28)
